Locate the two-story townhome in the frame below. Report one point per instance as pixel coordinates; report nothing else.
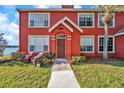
(70, 32)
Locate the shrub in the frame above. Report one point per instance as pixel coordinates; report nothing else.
(49, 56)
(77, 59)
(17, 55)
(82, 58)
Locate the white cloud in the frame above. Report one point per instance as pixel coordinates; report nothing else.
(16, 15)
(13, 28)
(8, 38)
(3, 17)
(77, 6)
(53, 6)
(40, 6)
(47, 6)
(10, 29)
(3, 21)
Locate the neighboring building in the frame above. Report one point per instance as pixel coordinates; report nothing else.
(69, 32)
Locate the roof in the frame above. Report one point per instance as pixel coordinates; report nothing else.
(120, 32)
(63, 9)
(67, 26)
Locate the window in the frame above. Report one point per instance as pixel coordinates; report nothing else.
(86, 20)
(110, 44)
(101, 24)
(38, 43)
(38, 19)
(86, 44)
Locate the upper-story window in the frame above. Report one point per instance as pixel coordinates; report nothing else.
(100, 22)
(39, 20)
(86, 19)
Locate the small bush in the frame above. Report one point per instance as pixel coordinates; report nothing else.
(50, 56)
(17, 55)
(77, 59)
(82, 58)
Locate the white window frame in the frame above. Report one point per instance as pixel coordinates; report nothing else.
(113, 43)
(86, 26)
(32, 36)
(38, 26)
(109, 26)
(91, 36)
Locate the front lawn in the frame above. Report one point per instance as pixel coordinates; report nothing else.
(16, 74)
(96, 75)
(5, 57)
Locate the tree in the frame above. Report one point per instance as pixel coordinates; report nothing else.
(2, 44)
(106, 20)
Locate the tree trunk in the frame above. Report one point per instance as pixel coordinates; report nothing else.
(105, 43)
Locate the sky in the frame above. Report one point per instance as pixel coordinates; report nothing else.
(9, 20)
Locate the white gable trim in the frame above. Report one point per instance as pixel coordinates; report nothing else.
(60, 22)
(53, 27)
(67, 26)
(119, 34)
(66, 18)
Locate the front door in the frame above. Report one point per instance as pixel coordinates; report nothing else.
(60, 46)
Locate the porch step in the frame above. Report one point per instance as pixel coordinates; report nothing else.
(61, 60)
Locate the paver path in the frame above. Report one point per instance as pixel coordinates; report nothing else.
(62, 75)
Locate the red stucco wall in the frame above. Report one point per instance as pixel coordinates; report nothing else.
(74, 45)
(120, 46)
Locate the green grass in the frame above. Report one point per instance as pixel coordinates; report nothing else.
(16, 74)
(95, 75)
(5, 57)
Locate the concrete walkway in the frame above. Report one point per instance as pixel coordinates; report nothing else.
(62, 75)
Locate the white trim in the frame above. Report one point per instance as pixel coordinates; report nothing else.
(53, 39)
(60, 22)
(69, 36)
(69, 39)
(38, 35)
(87, 26)
(67, 26)
(38, 26)
(93, 43)
(118, 34)
(113, 43)
(52, 36)
(53, 27)
(29, 36)
(70, 29)
(109, 26)
(72, 23)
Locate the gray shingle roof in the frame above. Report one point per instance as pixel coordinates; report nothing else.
(120, 32)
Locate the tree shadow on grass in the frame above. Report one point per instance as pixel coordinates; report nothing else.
(15, 63)
(24, 64)
(113, 62)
